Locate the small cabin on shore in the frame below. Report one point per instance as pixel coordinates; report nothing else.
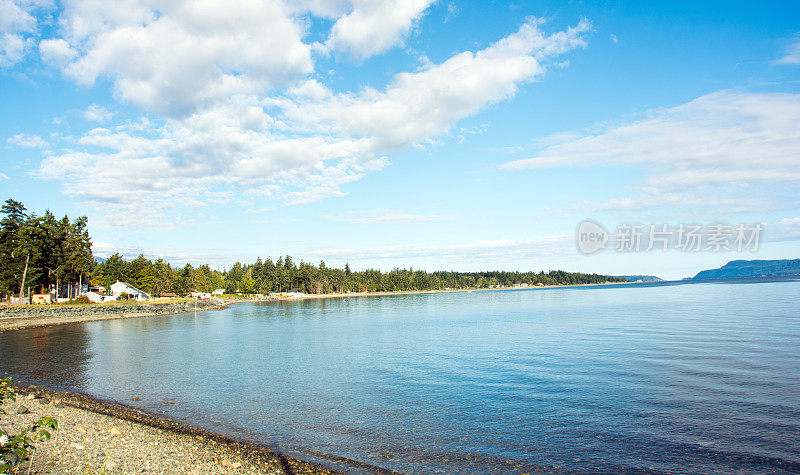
(118, 288)
(99, 298)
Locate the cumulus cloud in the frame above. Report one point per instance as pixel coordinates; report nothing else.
(249, 117)
(12, 49)
(97, 113)
(56, 52)
(692, 150)
(374, 27)
(184, 55)
(16, 24)
(181, 161)
(27, 140)
(417, 106)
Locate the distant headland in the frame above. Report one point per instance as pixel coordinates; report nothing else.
(755, 268)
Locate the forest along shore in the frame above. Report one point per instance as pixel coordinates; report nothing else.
(101, 437)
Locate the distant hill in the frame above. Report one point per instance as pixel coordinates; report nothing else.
(640, 278)
(752, 269)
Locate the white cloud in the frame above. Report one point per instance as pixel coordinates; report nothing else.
(180, 162)
(3, 176)
(789, 222)
(14, 18)
(694, 199)
(176, 258)
(27, 140)
(18, 25)
(792, 56)
(56, 52)
(184, 55)
(299, 145)
(389, 217)
(15, 23)
(374, 27)
(787, 229)
(12, 49)
(721, 139)
(538, 246)
(416, 107)
(97, 113)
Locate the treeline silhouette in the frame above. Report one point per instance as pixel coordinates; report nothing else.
(285, 274)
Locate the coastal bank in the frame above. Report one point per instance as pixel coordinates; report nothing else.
(13, 317)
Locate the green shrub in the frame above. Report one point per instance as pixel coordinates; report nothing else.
(15, 449)
(82, 300)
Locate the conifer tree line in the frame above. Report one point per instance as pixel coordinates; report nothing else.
(60, 251)
(38, 252)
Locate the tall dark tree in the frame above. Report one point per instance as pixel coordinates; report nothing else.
(11, 262)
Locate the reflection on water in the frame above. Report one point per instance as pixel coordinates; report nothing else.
(58, 355)
(701, 377)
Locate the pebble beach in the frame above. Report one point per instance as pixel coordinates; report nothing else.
(96, 437)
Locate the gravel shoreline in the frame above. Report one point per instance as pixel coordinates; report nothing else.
(16, 317)
(96, 436)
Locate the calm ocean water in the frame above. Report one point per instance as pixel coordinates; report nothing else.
(700, 377)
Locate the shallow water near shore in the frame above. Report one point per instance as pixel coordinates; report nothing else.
(675, 377)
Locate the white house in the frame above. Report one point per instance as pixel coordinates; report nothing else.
(200, 295)
(98, 298)
(218, 292)
(118, 288)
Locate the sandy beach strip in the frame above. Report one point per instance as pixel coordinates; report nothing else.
(101, 437)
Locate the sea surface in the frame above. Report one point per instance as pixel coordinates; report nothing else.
(672, 377)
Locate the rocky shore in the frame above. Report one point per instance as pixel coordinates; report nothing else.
(20, 316)
(97, 437)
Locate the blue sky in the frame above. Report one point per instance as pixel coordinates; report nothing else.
(438, 135)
